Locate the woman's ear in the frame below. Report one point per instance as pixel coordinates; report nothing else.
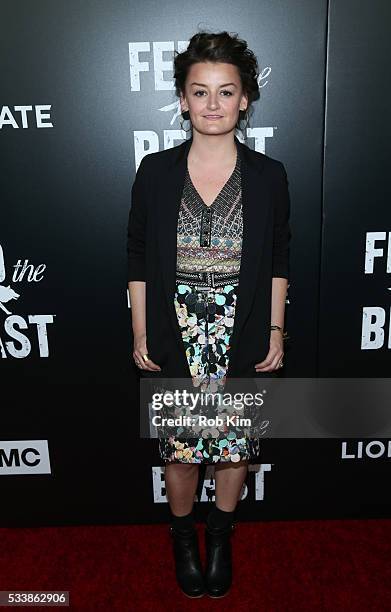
(183, 103)
(244, 100)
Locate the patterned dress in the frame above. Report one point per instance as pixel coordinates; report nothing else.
(209, 244)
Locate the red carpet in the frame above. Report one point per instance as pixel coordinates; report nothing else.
(278, 566)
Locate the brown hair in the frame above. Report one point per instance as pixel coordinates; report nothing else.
(219, 47)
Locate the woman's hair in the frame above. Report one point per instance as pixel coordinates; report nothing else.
(219, 47)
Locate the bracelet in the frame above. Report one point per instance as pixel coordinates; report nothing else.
(284, 334)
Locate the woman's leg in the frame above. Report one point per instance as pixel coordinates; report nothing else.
(229, 479)
(181, 485)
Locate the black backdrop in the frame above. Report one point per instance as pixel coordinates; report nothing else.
(86, 89)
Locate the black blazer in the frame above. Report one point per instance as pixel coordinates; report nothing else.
(151, 248)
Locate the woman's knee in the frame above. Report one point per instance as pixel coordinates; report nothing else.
(231, 465)
(184, 470)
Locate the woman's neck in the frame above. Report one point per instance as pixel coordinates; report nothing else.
(212, 149)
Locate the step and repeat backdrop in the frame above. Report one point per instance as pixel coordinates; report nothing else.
(87, 90)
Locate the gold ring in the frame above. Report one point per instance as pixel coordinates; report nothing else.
(145, 357)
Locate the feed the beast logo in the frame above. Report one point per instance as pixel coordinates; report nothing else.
(375, 319)
(24, 457)
(21, 334)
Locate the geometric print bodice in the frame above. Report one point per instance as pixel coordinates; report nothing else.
(209, 238)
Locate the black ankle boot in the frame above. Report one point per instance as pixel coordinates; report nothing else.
(218, 575)
(187, 562)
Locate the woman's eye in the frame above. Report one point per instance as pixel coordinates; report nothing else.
(224, 91)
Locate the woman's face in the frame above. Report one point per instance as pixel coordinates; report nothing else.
(213, 89)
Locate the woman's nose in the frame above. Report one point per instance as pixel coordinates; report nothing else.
(212, 102)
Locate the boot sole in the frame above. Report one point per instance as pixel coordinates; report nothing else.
(219, 596)
(193, 596)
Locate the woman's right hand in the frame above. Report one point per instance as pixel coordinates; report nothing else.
(140, 349)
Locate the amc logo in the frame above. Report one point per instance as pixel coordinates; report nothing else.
(24, 457)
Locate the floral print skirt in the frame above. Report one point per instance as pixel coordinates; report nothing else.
(206, 320)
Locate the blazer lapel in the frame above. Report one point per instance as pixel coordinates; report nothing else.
(256, 204)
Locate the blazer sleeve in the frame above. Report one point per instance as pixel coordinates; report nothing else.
(137, 226)
(281, 231)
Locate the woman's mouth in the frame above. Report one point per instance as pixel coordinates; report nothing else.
(213, 116)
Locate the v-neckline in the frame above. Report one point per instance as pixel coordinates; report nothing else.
(221, 190)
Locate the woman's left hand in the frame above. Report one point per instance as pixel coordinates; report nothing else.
(275, 354)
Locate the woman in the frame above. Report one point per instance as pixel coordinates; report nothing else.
(208, 269)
